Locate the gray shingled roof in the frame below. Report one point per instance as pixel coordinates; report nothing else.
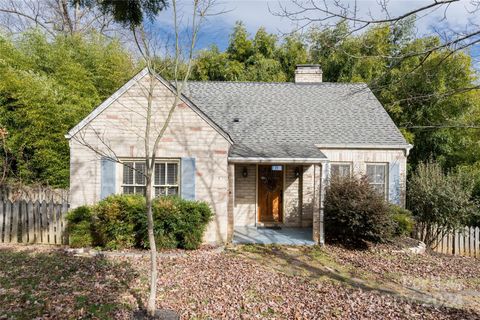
(287, 119)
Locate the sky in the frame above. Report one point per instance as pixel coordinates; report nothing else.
(259, 13)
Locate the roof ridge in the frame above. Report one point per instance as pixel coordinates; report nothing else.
(282, 83)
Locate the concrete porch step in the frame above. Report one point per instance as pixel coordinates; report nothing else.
(285, 236)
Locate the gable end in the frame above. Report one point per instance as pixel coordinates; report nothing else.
(104, 105)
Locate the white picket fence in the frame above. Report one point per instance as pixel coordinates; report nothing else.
(463, 242)
(33, 222)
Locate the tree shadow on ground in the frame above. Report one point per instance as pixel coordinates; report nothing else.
(54, 284)
(297, 263)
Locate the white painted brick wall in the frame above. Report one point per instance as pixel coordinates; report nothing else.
(122, 125)
(292, 191)
(245, 195)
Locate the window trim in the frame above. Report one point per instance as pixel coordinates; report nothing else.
(158, 160)
(386, 180)
(349, 163)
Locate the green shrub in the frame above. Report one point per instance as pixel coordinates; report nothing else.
(115, 219)
(402, 220)
(355, 212)
(79, 227)
(178, 223)
(81, 235)
(120, 221)
(440, 202)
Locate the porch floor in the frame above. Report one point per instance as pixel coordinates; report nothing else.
(285, 235)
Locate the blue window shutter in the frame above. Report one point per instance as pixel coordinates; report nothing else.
(187, 166)
(394, 183)
(108, 176)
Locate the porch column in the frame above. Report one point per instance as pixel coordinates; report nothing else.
(230, 201)
(316, 203)
(321, 180)
(323, 187)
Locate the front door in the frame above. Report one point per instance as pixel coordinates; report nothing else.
(270, 193)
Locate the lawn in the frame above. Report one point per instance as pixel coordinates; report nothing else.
(244, 282)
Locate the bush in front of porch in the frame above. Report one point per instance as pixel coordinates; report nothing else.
(355, 212)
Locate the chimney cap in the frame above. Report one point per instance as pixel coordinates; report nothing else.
(308, 73)
(307, 66)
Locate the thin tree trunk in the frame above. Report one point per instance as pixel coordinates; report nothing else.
(151, 307)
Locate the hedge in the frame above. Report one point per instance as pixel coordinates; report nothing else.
(120, 222)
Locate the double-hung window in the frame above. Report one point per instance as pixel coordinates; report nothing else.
(165, 178)
(377, 176)
(133, 178)
(340, 170)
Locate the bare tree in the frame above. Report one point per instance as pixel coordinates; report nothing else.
(150, 131)
(55, 17)
(327, 14)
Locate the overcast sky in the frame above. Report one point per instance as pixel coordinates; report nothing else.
(257, 13)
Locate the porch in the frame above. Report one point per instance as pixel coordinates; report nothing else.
(284, 235)
(277, 200)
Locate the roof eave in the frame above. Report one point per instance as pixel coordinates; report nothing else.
(276, 160)
(405, 146)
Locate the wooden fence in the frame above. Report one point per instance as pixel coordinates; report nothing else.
(18, 192)
(463, 242)
(33, 222)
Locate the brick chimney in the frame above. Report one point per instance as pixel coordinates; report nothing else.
(308, 73)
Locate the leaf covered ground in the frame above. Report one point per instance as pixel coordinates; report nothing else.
(246, 282)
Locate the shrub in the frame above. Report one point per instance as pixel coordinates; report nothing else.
(120, 221)
(355, 212)
(115, 219)
(402, 220)
(79, 227)
(439, 202)
(81, 235)
(178, 223)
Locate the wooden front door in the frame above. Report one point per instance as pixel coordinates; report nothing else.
(270, 193)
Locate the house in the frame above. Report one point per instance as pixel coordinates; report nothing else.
(259, 153)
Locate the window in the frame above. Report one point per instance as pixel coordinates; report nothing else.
(377, 176)
(165, 181)
(340, 170)
(165, 178)
(133, 178)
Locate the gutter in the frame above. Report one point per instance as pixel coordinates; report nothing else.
(405, 147)
(277, 160)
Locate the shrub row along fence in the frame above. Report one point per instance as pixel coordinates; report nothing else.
(33, 222)
(463, 242)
